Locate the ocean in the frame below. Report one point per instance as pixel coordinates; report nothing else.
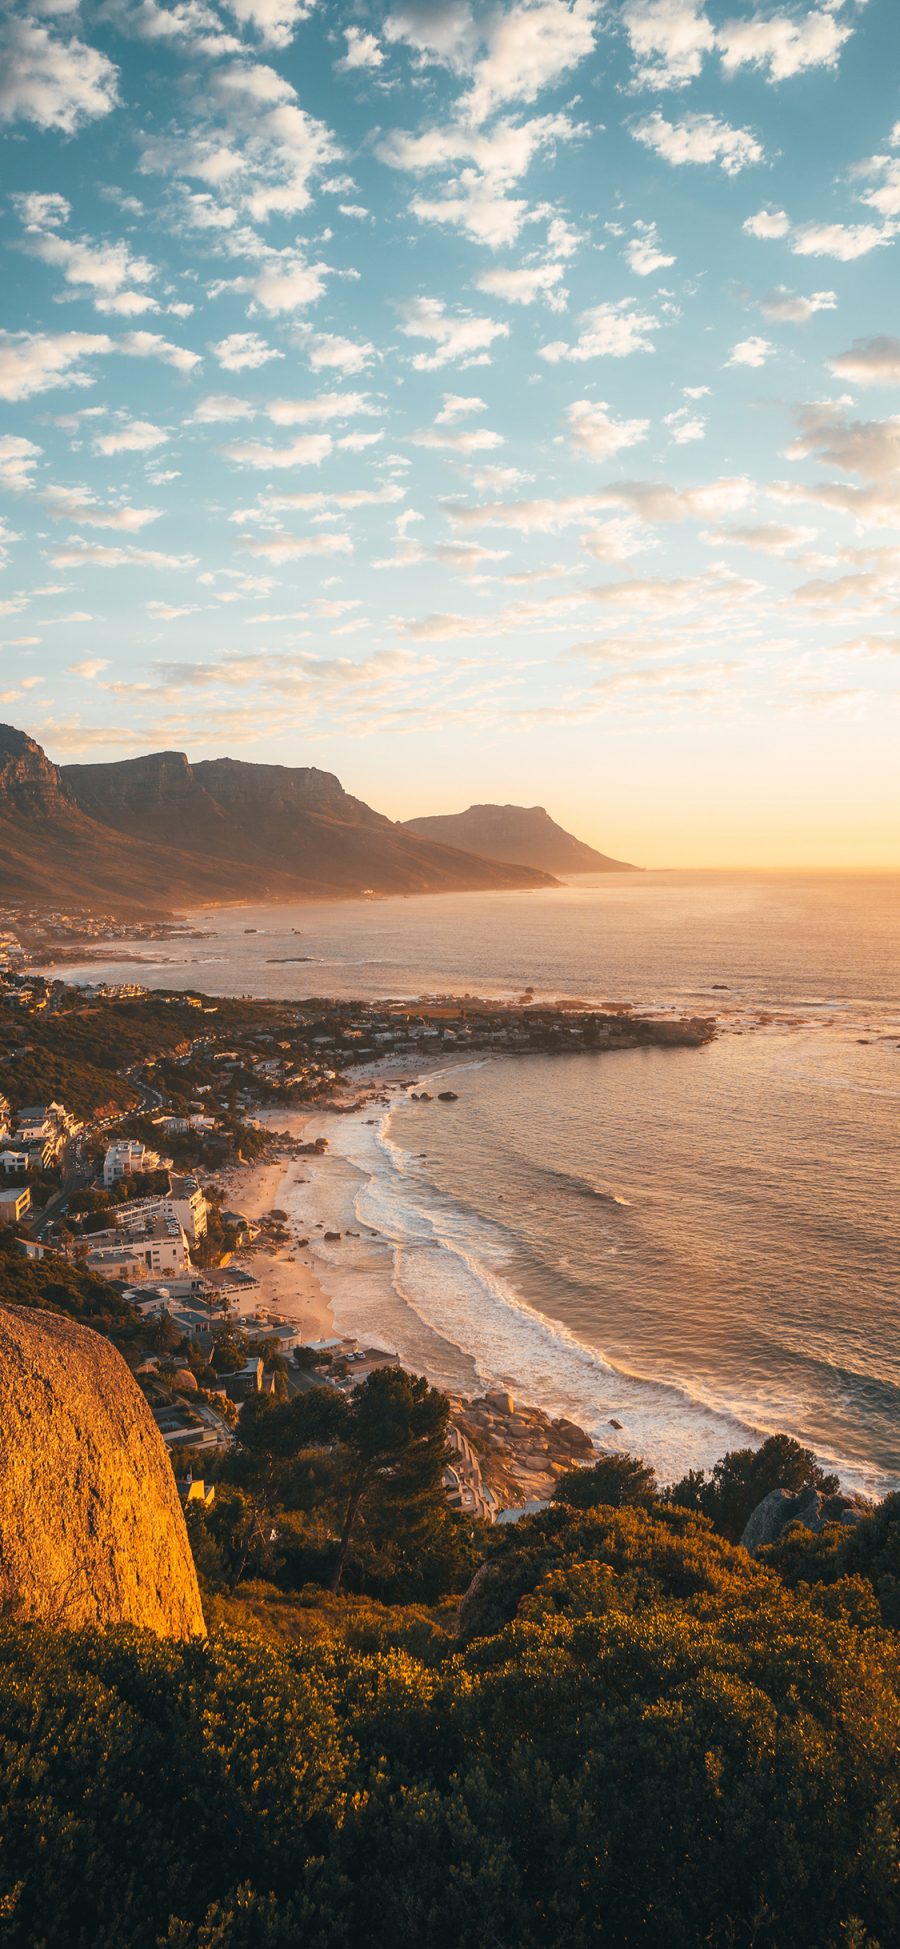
(701, 1246)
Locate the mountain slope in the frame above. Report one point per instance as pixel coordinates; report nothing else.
(524, 834)
(156, 832)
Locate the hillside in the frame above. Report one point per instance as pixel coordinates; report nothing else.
(523, 834)
(155, 832)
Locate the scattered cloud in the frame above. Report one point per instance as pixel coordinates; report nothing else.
(699, 138)
(55, 81)
(455, 335)
(869, 362)
(593, 432)
(642, 251)
(243, 352)
(752, 351)
(608, 331)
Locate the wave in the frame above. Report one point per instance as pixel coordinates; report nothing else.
(453, 1273)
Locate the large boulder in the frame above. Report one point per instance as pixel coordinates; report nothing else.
(91, 1528)
(780, 1508)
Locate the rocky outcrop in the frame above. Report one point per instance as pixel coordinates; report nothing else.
(522, 1451)
(91, 1528)
(780, 1508)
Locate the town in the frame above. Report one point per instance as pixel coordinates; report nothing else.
(123, 1109)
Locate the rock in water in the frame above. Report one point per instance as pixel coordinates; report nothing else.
(91, 1528)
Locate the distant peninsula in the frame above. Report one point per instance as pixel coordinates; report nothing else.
(524, 835)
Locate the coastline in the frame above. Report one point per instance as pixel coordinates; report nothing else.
(433, 1295)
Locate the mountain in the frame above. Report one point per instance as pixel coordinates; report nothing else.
(524, 834)
(157, 832)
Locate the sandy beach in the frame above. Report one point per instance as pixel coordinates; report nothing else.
(305, 1279)
(286, 1273)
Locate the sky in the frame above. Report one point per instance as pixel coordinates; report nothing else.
(483, 402)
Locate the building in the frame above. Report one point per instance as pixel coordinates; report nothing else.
(14, 1205)
(37, 1157)
(187, 1202)
(126, 1159)
(134, 1253)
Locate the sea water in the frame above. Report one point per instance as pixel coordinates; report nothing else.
(702, 1246)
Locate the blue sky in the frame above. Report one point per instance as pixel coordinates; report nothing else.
(479, 401)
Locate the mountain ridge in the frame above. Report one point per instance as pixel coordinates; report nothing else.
(157, 832)
(523, 834)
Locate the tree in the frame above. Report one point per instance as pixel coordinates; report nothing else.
(397, 1441)
(617, 1479)
(741, 1480)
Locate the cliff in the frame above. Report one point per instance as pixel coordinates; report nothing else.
(155, 832)
(524, 834)
(91, 1528)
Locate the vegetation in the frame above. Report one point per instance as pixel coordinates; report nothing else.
(63, 1286)
(664, 1746)
(603, 1725)
(744, 1476)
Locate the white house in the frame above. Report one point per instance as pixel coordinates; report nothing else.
(125, 1159)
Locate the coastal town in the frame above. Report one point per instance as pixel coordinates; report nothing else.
(161, 1159)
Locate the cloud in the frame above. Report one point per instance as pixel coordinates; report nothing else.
(323, 407)
(784, 44)
(528, 48)
(699, 138)
(89, 669)
(243, 352)
(217, 407)
(476, 198)
(608, 331)
(79, 505)
(766, 538)
(18, 460)
(362, 52)
(94, 554)
(138, 436)
(475, 439)
(642, 251)
(455, 335)
(476, 207)
(101, 269)
(870, 448)
(275, 21)
(308, 450)
(149, 345)
(845, 241)
(458, 406)
(525, 284)
(618, 540)
(594, 433)
(685, 426)
(327, 352)
(288, 284)
(649, 500)
(751, 351)
(57, 83)
(251, 147)
(869, 362)
(768, 223)
(290, 548)
(782, 306)
(885, 171)
(669, 39)
(32, 362)
(504, 53)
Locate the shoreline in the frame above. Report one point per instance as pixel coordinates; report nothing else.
(355, 1284)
